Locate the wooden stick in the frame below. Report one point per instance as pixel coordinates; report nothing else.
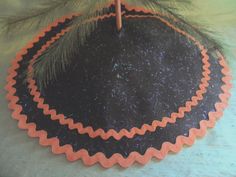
(118, 15)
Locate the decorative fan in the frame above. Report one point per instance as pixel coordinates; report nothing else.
(116, 82)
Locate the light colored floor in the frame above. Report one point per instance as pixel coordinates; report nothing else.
(212, 156)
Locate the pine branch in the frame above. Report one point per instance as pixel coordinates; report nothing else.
(56, 59)
(34, 18)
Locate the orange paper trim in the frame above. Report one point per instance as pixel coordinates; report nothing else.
(124, 132)
(116, 158)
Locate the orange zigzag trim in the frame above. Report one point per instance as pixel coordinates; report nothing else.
(116, 158)
(135, 130)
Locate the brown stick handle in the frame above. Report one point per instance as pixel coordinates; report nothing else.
(118, 15)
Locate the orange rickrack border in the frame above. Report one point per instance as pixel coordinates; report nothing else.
(116, 158)
(34, 91)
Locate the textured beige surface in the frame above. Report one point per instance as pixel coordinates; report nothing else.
(213, 156)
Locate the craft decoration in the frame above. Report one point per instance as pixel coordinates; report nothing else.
(116, 82)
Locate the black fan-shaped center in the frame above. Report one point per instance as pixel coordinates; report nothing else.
(129, 79)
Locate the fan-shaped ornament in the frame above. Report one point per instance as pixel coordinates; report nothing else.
(119, 84)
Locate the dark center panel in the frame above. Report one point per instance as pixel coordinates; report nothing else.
(121, 81)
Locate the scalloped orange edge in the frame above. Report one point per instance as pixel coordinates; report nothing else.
(124, 132)
(116, 158)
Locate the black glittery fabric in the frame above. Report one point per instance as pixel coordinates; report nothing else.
(171, 84)
(121, 81)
